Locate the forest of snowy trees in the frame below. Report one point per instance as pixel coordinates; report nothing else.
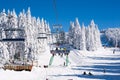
(22, 26)
(36, 35)
(113, 37)
(84, 38)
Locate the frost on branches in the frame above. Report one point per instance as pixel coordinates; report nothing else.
(84, 38)
(113, 36)
(32, 29)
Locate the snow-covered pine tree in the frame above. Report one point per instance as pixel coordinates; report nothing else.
(77, 34)
(39, 27)
(92, 34)
(97, 38)
(71, 33)
(83, 38)
(42, 32)
(3, 22)
(88, 32)
(113, 36)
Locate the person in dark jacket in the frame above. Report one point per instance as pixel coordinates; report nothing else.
(113, 51)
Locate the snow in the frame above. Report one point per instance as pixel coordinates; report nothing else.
(103, 64)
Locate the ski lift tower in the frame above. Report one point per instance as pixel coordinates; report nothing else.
(57, 30)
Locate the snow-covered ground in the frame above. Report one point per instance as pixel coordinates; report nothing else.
(103, 64)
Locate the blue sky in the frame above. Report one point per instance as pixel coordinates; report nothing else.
(106, 13)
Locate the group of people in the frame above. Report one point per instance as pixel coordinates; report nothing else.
(60, 51)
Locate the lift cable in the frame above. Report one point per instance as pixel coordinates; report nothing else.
(55, 9)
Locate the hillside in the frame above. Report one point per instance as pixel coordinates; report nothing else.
(103, 64)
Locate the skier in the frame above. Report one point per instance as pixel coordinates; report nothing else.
(113, 51)
(84, 73)
(56, 48)
(90, 73)
(64, 63)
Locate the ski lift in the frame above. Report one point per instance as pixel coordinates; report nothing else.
(42, 36)
(57, 28)
(59, 33)
(13, 29)
(12, 39)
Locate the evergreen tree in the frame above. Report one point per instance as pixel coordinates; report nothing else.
(71, 33)
(83, 38)
(77, 34)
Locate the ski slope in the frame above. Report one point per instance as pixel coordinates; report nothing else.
(102, 64)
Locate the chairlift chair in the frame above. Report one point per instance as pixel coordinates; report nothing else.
(12, 39)
(42, 36)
